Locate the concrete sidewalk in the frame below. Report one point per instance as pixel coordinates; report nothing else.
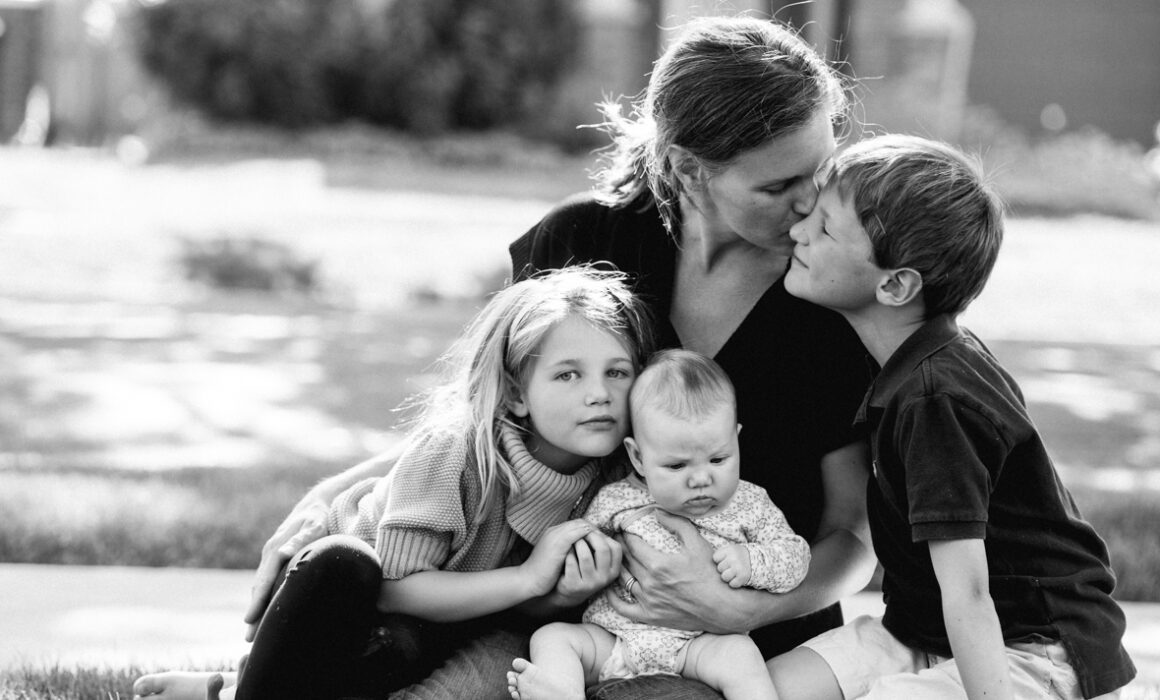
(178, 618)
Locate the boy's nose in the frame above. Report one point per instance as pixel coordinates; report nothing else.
(798, 233)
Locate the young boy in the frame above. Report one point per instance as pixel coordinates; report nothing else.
(686, 462)
(994, 585)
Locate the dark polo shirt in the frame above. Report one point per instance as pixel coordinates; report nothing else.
(956, 456)
(799, 370)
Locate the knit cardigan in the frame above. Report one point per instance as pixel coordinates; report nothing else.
(421, 515)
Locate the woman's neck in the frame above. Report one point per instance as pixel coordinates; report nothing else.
(706, 246)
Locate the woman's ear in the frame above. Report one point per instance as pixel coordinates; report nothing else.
(900, 287)
(688, 169)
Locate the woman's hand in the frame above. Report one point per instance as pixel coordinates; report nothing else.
(682, 590)
(543, 567)
(593, 563)
(305, 524)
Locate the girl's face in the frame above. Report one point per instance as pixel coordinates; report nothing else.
(575, 395)
(768, 189)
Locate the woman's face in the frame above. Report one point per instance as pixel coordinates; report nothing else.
(768, 189)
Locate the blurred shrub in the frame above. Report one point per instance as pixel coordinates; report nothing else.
(247, 264)
(419, 65)
(1074, 172)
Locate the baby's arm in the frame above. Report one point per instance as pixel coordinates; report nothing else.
(448, 596)
(971, 621)
(778, 558)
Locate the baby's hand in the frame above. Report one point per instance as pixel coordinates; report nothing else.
(546, 562)
(733, 564)
(593, 563)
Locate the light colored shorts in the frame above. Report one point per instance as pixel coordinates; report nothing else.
(869, 662)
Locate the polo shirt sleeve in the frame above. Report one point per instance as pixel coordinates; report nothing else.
(953, 456)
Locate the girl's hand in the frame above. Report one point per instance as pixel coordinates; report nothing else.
(593, 563)
(733, 564)
(544, 565)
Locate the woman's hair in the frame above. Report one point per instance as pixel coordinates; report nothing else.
(490, 363)
(927, 206)
(726, 85)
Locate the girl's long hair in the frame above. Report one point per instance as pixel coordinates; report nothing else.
(487, 367)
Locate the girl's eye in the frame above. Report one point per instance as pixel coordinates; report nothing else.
(619, 373)
(567, 376)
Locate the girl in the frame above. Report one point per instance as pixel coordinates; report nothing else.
(469, 532)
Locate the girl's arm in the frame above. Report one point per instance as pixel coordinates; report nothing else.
(685, 590)
(448, 596)
(306, 523)
(971, 622)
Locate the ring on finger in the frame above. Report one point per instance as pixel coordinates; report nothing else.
(629, 583)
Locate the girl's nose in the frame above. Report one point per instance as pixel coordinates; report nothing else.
(597, 393)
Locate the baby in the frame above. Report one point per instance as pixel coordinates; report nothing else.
(686, 462)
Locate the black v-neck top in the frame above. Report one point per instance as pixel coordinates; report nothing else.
(799, 370)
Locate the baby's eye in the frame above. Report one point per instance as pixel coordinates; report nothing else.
(675, 466)
(718, 460)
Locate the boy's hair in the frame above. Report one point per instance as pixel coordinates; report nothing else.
(682, 384)
(725, 86)
(489, 364)
(925, 205)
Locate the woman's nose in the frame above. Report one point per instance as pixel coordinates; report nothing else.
(805, 197)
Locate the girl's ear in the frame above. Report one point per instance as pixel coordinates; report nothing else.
(516, 403)
(899, 287)
(688, 169)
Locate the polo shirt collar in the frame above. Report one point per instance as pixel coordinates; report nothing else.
(930, 337)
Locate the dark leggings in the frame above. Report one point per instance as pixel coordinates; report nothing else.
(322, 636)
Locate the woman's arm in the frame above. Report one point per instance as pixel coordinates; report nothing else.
(305, 524)
(448, 596)
(685, 591)
(969, 614)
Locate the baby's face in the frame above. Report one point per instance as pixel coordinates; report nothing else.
(691, 465)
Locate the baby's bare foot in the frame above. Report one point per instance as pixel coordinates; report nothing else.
(183, 685)
(528, 681)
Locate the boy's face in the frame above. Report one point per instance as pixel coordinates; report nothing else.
(691, 466)
(832, 262)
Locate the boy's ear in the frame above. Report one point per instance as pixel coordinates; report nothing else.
(687, 168)
(899, 287)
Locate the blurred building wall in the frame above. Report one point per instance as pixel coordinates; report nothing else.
(1098, 61)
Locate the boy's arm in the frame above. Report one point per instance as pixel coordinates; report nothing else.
(971, 621)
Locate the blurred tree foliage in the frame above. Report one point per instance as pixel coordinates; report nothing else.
(420, 65)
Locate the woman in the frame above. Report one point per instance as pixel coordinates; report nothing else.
(696, 204)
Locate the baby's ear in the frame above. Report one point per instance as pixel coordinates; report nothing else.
(633, 451)
(899, 287)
